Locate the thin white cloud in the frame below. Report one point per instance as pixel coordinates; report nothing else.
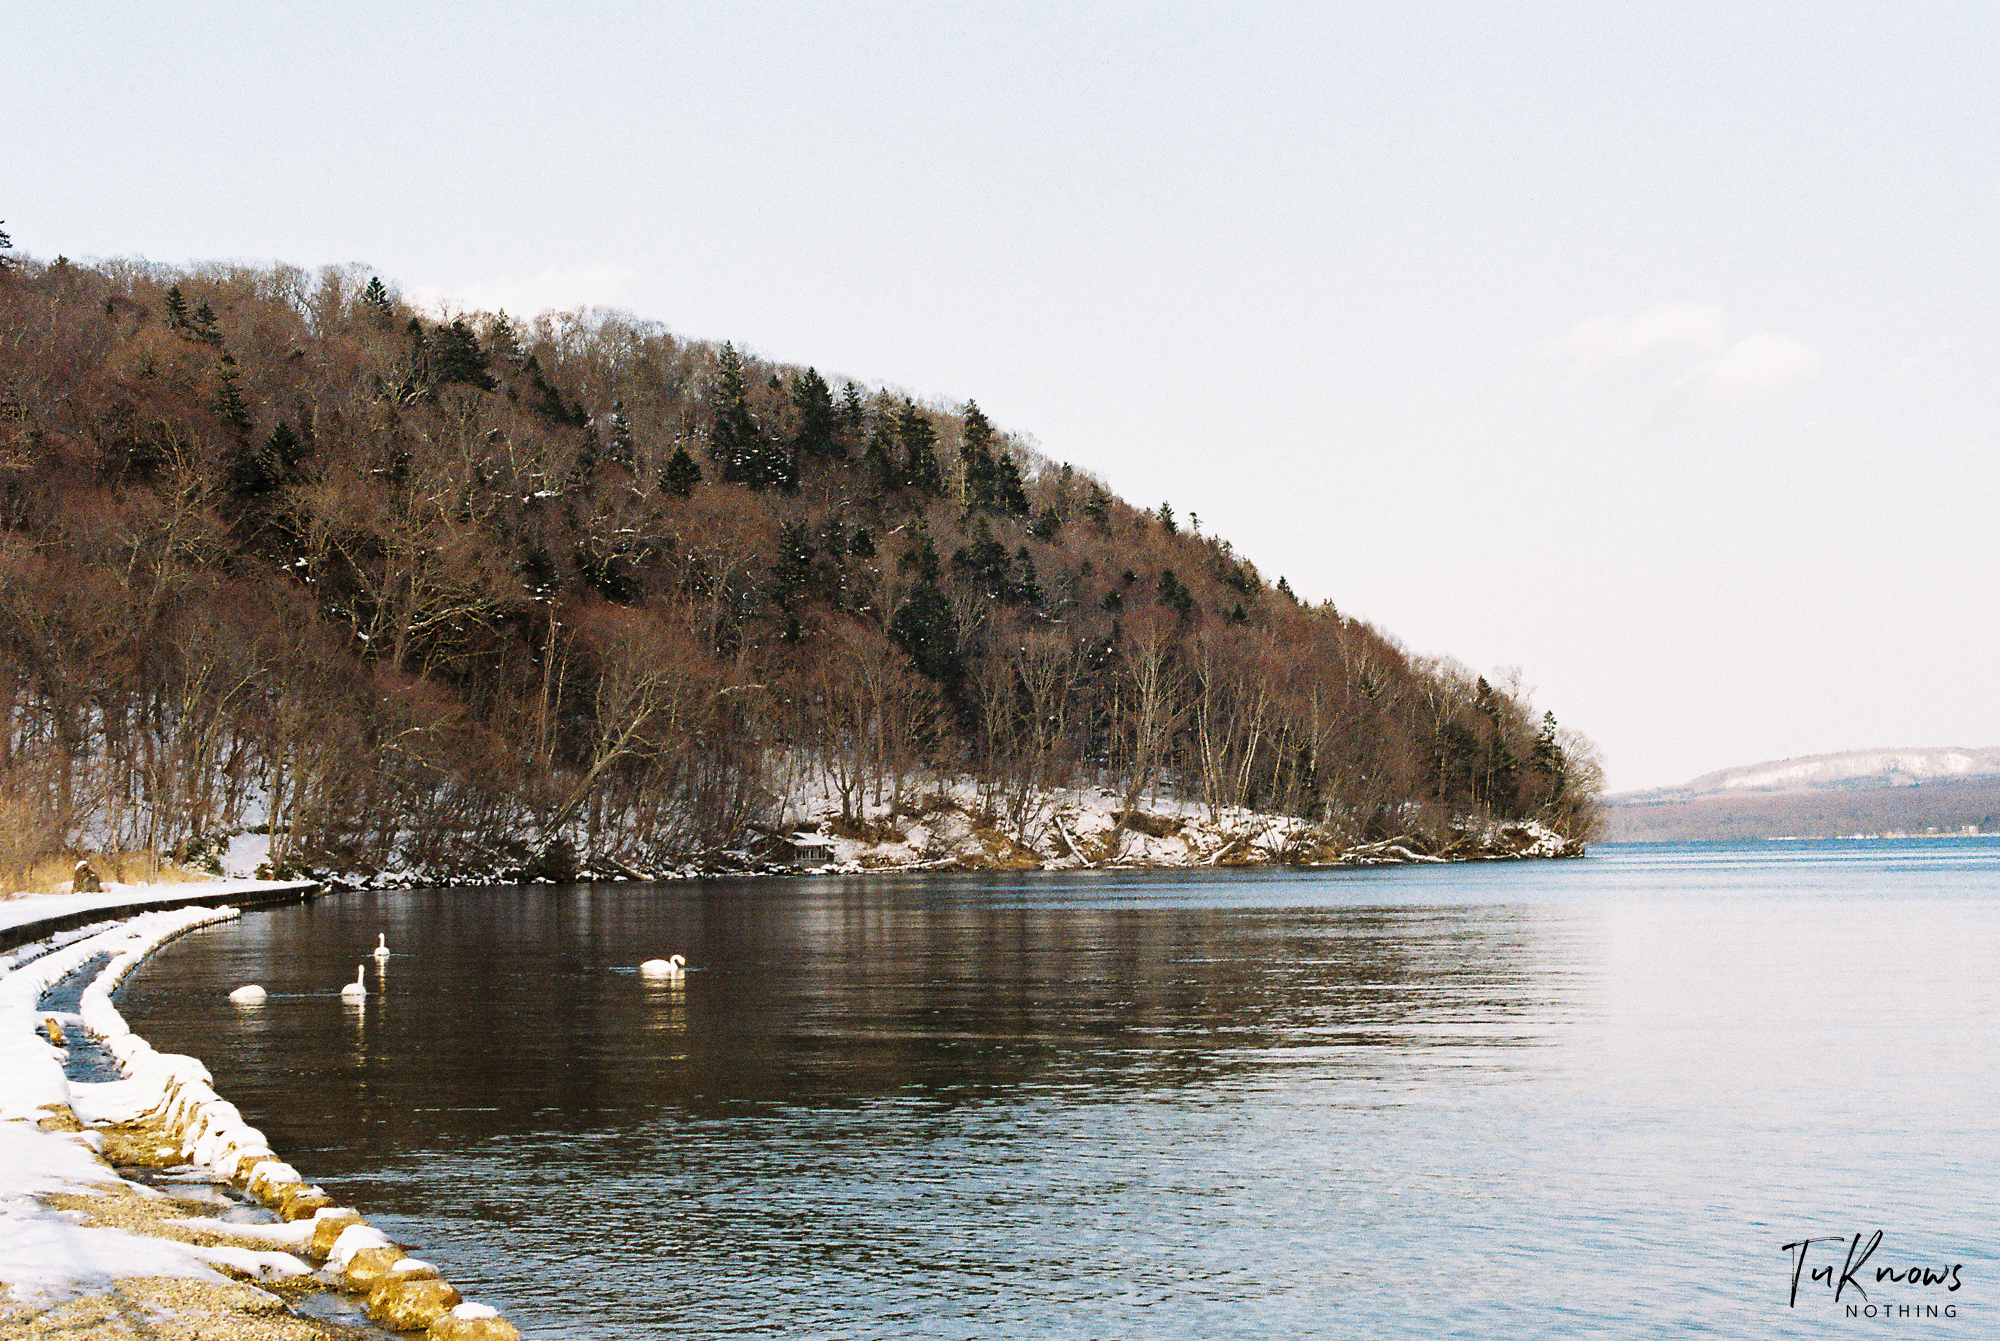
(1672, 327)
(555, 289)
(1679, 358)
(1757, 363)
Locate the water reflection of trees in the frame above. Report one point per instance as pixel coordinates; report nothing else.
(519, 1009)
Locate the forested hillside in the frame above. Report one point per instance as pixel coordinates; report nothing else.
(274, 548)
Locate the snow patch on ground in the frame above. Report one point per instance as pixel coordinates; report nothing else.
(956, 825)
(47, 1255)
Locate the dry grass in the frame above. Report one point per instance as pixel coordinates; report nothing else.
(51, 875)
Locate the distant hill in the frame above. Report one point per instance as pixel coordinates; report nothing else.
(1943, 790)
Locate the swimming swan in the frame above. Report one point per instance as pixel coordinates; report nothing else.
(381, 945)
(248, 995)
(355, 991)
(662, 968)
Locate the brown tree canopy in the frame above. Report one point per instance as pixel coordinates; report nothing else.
(452, 595)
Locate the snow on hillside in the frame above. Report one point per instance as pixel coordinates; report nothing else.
(956, 827)
(1853, 768)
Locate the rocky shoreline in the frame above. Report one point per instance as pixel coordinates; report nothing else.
(956, 828)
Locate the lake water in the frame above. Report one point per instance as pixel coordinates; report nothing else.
(1590, 1097)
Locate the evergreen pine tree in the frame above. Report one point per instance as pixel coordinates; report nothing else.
(1285, 590)
(733, 433)
(1024, 587)
(504, 343)
(793, 571)
(420, 365)
(876, 467)
(1174, 595)
(1167, 519)
(1008, 493)
(621, 451)
(205, 329)
(257, 470)
(286, 451)
(927, 630)
(853, 417)
(455, 356)
(975, 455)
(1047, 526)
(833, 537)
(381, 313)
(918, 440)
(548, 402)
(861, 544)
(833, 542)
(817, 436)
(229, 405)
(983, 563)
(682, 473)
(921, 557)
(1547, 757)
(177, 309)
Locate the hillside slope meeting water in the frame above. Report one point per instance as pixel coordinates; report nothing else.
(1601, 1097)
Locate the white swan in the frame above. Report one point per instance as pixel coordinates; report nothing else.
(381, 945)
(356, 990)
(662, 968)
(250, 994)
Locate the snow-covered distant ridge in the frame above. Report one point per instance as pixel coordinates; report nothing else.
(1849, 769)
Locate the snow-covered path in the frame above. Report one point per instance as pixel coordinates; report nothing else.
(51, 1251)
(27, 917)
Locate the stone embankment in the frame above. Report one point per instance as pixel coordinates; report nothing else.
(166, 1113)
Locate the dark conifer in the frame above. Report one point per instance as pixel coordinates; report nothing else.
(1547, 757)
(861, 545)
(1024, 587)
(1008, 494)
(286, 450)
(504, 343)
(682, 473)
(733, 436)
(1098, 509)
(1047, 526)
(921, 557)
(975, 454)
(177, 309)
(817, 435)
(380, 312)
(455, 356)
(205, 329)
(793, 571)
(1285, 590)
(983, 563)
(918, 440)
(229, 404)
(876, 467)
(927, 630)
(833, 537)
(853, 419)
(1166, 515)
(620, 451)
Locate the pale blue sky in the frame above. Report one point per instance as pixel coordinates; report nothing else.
(1648, 348)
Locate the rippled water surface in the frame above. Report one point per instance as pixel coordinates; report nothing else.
(1592, 1097)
